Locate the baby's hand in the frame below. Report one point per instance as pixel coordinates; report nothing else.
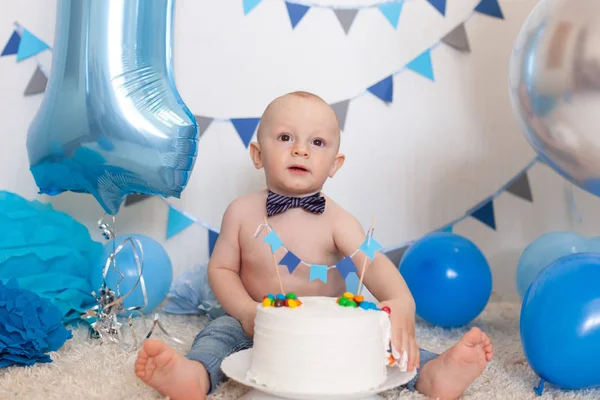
(248, 322)
(402, 320)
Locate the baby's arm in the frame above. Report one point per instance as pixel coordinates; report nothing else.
(224, 267)
(382, 278)
(385, 282)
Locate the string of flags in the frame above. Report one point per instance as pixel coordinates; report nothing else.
(24, 44)
(318, 271)
(27, 45)
(422, 65)
(390, 10)
(519, 186)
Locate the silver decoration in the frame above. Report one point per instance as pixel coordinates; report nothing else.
(106, 313)
(555, 87)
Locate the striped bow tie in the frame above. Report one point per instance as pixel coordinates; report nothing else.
(277, 203)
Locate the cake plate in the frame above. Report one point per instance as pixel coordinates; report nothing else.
(237, 365)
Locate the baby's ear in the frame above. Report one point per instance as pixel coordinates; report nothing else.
(256, 155)
(337, 164)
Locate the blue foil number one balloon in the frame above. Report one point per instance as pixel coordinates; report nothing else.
(112, 122)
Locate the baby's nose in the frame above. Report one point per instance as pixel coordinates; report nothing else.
(300, 151)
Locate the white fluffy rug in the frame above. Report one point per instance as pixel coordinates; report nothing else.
(85, 370)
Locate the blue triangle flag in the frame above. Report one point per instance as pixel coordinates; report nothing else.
(384, 89)
(346, 266)
(485, 214)
(177, 222)
(318, 272)
(369, 247)
(245, 127)
(273, 240)
(30, 45)
(212, 240)
(290, 261)
(439, 5)
(296, 12)
(12, 46)
(249, 5)
(422, 65)
(391, 11)
(490, 7)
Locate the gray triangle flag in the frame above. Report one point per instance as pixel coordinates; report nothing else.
(458, 39)
(135, 198)
(346, 18)
(203, 124)
(395, 255)
(341, 110)
(37, 83)
(521, 188)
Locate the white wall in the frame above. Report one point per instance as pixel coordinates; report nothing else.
(417, 164)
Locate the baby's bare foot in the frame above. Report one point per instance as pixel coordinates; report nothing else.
(170, 373)
(450, 374)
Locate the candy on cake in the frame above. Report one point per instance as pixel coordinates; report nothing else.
(356, 301)
(290, 300)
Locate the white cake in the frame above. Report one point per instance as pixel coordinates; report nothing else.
(319, 347)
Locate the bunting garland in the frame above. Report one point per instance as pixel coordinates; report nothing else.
(318, 271)
(346, 15)
(383, 89)
(25, 44)
(484, 212)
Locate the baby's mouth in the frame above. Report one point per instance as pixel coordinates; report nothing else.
(298, 169)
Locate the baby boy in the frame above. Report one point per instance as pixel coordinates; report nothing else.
(297, 146)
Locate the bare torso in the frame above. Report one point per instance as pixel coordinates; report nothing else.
(308, 236)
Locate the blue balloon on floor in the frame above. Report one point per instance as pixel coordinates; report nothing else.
(157, 271)
(560, 324)
(542, 252)
(449, 278)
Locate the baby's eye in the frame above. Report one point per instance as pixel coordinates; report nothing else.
(318, 142)
(285, 137)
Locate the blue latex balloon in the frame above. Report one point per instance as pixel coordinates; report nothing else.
(593, 245)
(560, 328)
(157, 271)
(542, 252)
(449, 278)
(112, 122)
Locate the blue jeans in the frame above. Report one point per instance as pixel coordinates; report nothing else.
(224, 336)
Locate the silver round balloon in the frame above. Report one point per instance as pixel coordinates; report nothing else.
(555, 87)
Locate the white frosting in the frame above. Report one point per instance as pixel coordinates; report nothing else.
(320, 348)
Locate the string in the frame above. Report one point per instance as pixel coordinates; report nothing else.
(364, 267)
(276, 264)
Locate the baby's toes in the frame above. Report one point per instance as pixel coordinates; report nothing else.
(485, 340)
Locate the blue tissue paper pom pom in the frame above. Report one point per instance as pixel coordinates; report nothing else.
(47, 252)
(191, 294)
(30, 328)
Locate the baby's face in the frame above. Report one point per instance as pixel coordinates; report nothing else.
(298, 145)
